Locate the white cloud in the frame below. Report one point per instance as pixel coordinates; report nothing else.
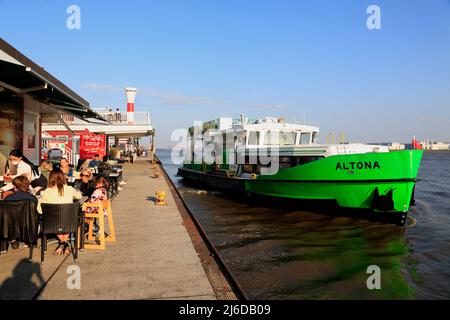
(102, 87)
(173, 98)
(270, 106)
(169, 98)
(176, 99)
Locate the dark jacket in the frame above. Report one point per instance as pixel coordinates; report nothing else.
(86, 189)
(18, 220)
(21, 196)
(42, 182)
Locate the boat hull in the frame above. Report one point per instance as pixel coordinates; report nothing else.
(382, 182)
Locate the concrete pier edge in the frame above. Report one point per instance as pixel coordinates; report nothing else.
(224, 284)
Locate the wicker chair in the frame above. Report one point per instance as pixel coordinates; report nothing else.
(60, 219)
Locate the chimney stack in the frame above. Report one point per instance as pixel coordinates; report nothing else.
(131, 96)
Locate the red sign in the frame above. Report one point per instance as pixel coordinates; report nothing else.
(92, 144)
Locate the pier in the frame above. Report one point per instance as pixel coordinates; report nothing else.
(158, 254)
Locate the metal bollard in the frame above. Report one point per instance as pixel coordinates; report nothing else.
(160, 198)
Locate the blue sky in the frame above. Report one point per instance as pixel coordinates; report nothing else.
(198, 60)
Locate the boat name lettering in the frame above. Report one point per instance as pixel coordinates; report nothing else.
(357, 165)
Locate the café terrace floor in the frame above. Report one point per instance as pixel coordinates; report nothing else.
(153, 257)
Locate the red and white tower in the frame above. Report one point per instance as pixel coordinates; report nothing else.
(131, 96)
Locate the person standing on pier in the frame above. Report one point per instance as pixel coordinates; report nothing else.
(118, 116)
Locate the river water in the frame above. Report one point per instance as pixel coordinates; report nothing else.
(289, 253)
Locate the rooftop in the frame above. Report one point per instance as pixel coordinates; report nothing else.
(20, 75)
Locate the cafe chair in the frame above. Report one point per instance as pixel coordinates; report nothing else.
(99, 207)
(96, 213)
(60, 219)
(112, 232)
(18, 221)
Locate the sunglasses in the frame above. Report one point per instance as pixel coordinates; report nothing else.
(84, 175)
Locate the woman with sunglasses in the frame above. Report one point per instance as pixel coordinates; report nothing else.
(85, 185)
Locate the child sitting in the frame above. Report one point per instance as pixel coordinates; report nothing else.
(100, 193)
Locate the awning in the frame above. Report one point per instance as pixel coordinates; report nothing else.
(22, 76)
(134, 131)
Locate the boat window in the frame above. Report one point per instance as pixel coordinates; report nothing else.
(290, 162)
(241, 140)
(282, 138)
(305, 138)
(253, 138)
(308, 159)
(315, 137)
(198, 150)
(287, 162)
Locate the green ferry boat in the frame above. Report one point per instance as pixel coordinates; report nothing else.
(269, 157)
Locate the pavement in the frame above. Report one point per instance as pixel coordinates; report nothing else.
(153, 257)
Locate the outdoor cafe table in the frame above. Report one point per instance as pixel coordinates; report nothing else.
(119, 171)
(4, 181)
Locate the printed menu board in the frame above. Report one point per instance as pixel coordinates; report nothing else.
(92, 144)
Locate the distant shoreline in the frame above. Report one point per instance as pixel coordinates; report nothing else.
(437, 151)
(427, 151)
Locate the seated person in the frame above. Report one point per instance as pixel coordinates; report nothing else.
(58, 192)
(85, 185)
(21, 190)
(95, 162)
(23, 167)
(46, 167)
(42, 181)
(83, 164)
(21, 193)
(64, 165)
(100, 193)
(101, 189)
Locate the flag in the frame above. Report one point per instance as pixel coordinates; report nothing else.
(416, 144)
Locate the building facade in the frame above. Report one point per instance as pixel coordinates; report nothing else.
(29, 95)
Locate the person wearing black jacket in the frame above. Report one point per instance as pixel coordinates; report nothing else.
(21, 193)
(21, 190)
(85, 185)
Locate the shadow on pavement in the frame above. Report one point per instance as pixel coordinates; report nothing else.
(21, 286)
